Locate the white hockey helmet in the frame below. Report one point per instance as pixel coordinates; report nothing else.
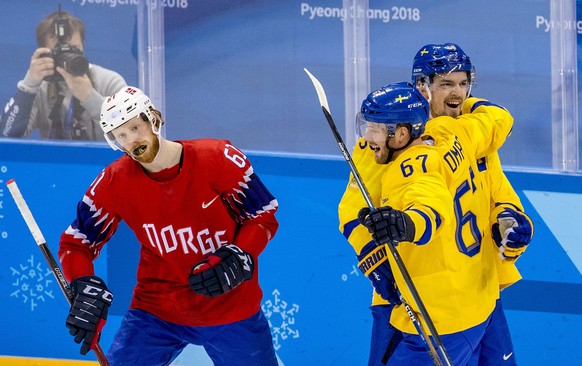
(122, 106)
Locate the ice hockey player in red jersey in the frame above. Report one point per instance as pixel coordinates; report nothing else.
(202, 217)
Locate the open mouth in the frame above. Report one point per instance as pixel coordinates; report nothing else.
(139, 150)
(453, 104)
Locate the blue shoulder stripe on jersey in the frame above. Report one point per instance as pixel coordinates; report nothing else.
(485, 103)
(349, 227)
(488, 103)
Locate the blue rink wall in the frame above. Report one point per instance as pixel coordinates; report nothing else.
(314, 297)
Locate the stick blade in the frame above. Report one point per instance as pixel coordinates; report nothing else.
(319, 89)
(25, 212)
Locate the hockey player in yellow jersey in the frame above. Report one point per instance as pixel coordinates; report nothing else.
(438, 70)
(444, 74)
(451, 67)
(432, 208)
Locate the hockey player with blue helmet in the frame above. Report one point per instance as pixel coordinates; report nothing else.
(445, 75)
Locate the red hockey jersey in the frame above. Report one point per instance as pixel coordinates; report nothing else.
(215, 199)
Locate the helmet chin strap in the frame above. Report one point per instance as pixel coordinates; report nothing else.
(428, 92)
(156, 131)
(426, 86)
(391, 151)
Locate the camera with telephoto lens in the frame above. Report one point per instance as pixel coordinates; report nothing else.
(68, 57)
(71, 59)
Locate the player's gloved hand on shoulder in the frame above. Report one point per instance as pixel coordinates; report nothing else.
(373, 262)
(88, 314)
(221, 271)
(512, 233)
(386, 224)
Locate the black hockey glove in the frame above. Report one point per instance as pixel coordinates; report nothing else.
(88, 314)
(221, 271)
(373, 262)
(387, 225)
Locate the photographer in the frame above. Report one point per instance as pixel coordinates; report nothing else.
(61, 94)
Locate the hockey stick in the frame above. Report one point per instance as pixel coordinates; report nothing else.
(417, 324)
(39, 238)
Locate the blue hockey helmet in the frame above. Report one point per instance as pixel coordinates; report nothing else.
(438, 59)
(392, 105)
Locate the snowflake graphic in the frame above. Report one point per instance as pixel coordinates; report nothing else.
(281, 318)
(32, 283)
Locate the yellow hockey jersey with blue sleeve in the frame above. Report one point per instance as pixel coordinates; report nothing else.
(437, 186)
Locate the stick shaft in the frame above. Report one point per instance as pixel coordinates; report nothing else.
(53, 264)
